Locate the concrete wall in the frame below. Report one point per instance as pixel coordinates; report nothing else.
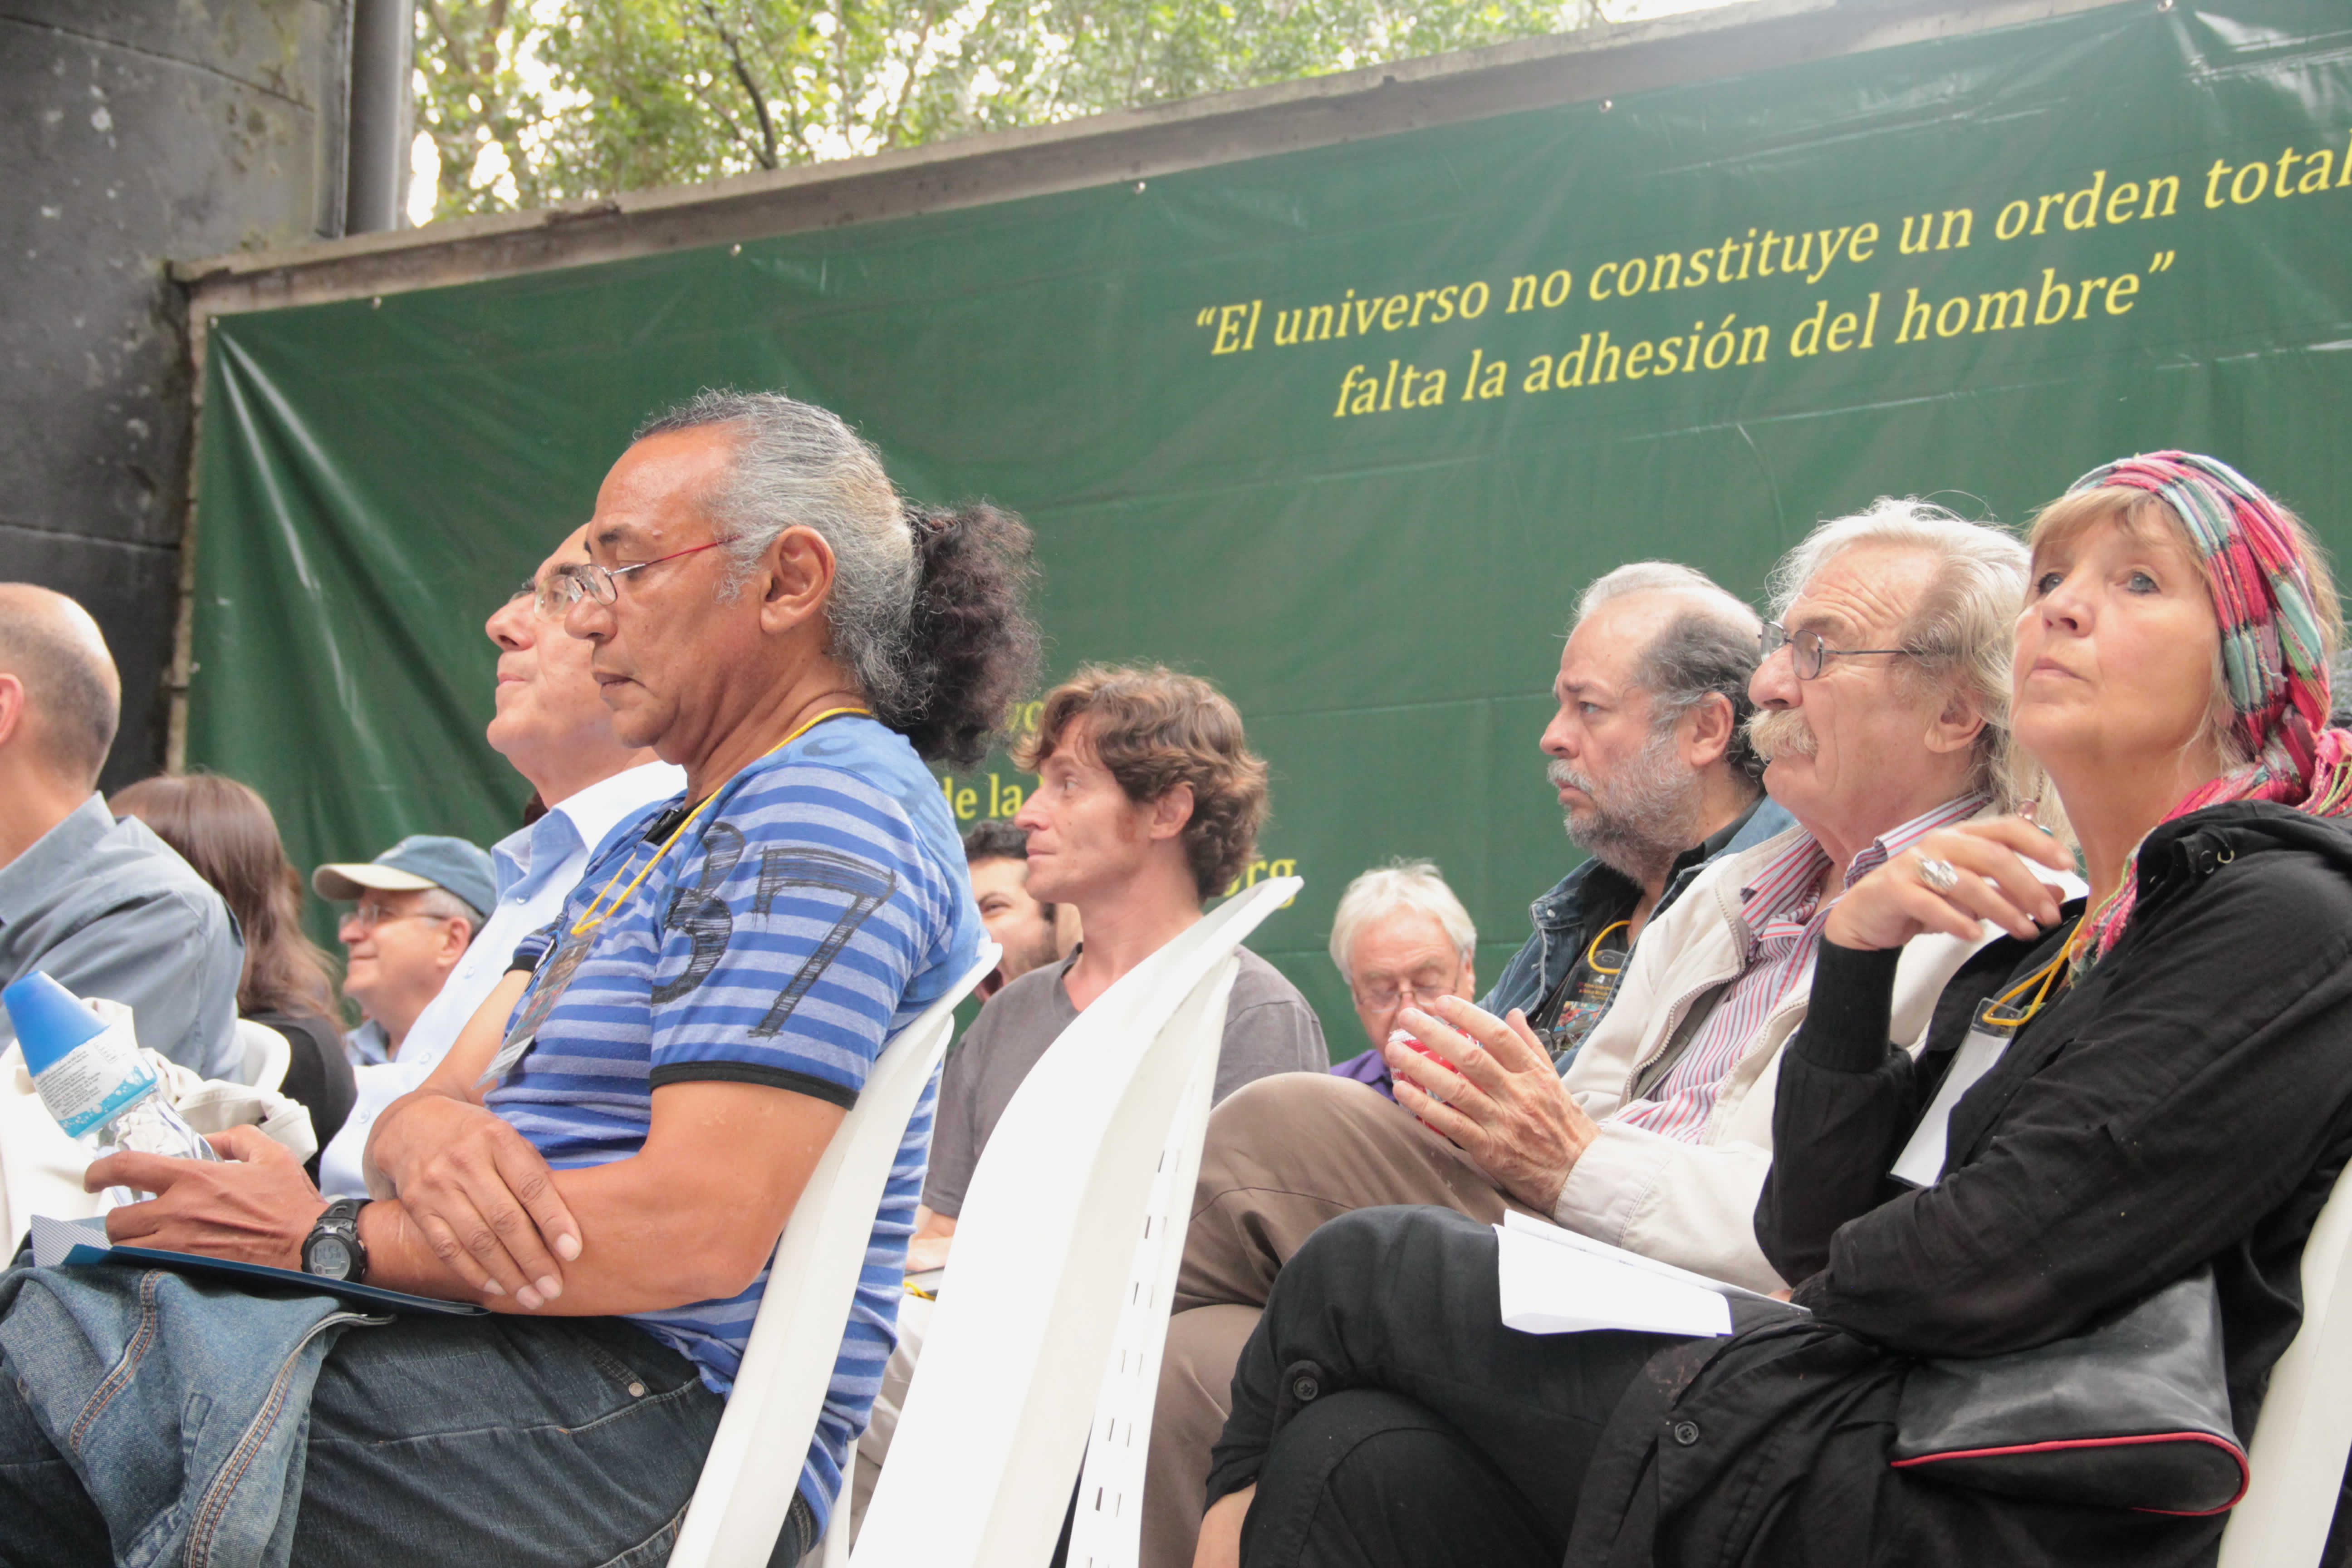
(134, 131)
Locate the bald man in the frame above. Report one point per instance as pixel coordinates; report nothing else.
(104, 907)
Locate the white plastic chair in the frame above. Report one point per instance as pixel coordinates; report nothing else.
(265, 1054)
(754, 1463)
(1106, 1531)
(1051, 1322)
(2305, 1431)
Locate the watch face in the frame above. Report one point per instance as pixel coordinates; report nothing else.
(330, 1258)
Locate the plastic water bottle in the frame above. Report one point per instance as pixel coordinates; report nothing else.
(91, 1076)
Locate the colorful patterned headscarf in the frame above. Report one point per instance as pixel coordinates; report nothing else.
(2274, 656)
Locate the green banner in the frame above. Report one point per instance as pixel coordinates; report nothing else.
(1345, 429)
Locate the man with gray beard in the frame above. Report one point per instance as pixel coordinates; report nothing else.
(1655, 778)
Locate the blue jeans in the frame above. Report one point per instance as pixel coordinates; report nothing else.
(567, 1443)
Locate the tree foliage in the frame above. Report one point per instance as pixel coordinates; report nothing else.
(531, 102)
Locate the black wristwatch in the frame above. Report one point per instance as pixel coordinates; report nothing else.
(333, 1249)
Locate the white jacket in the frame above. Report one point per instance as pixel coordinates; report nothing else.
(1694, 1204)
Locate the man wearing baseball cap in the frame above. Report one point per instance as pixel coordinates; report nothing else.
(419, 904)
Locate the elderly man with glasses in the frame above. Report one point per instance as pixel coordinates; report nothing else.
(418, 906)
(1882, 702)
(587, 787)
(1400, 938)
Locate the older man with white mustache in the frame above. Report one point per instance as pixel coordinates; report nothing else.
(1883, 701)
(1880, 712)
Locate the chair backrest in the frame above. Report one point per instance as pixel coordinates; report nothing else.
(754, 1464)
(2305, 1432)
(1050, 1252)
(1107, 1530)
(264, 1056)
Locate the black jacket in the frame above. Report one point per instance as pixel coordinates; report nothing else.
(2190, 1100)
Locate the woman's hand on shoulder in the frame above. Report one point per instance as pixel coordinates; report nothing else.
(1990, 879)
(482, 1197)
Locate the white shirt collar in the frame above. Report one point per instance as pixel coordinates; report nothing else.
(598, 809)
(589, 815)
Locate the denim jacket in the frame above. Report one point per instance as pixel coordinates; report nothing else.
(1544, 960)
(182, 1406)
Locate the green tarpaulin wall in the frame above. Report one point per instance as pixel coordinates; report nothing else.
(1297, 423)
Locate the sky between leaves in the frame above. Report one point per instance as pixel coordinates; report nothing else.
(524, 102)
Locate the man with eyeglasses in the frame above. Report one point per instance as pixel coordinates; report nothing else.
(1400, 938)
(1882, 699)
(588, 787)
(418, 905)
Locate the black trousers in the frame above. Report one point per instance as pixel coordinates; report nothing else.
(1389, 1419)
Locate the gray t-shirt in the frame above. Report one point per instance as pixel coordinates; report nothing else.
(1270, 1029)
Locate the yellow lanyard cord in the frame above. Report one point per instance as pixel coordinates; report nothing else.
(597, 915)
(1592, 953)
(2048, 976)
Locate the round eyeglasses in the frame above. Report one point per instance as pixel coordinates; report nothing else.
(1810, 653)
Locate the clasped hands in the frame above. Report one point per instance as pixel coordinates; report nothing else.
(470, 1186)
(1501, 1100)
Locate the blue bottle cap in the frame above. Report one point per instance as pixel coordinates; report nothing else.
(50, 1020)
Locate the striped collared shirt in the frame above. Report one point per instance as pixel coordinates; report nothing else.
(1782, 914)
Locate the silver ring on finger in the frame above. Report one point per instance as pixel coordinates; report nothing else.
(1939, 874)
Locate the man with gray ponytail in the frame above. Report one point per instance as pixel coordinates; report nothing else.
(916, 613)
(606, 1156)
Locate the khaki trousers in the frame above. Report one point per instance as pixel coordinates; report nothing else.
(1282, 1155)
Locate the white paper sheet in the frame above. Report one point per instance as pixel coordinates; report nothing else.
(1921, 1163)
(1555, 1281)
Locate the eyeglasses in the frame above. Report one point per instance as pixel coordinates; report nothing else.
(367, 917)
(1811, 654)
(548, 599)
(562, 587)
(1425, 985)
(602, 584)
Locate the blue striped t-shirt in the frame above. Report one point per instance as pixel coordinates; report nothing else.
(812, 908)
